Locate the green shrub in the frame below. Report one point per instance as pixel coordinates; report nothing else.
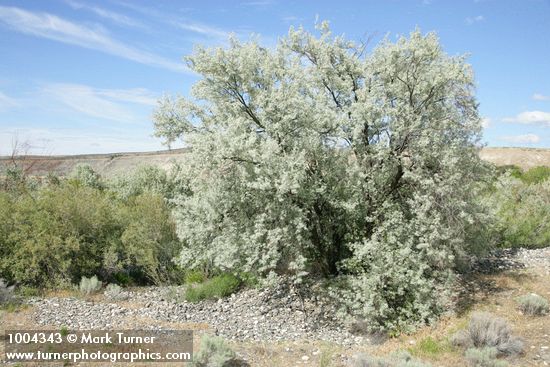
(88, 286)
(195, 276)
(151, 180)
(66, 231)
(486, 330)
(14, 181)
(85, 175)
(536, 175)
(58, 235)
(522, 211)
(217, 287)
(148, 242)
(249, 280)
(213, 352)
(484, 357)
(534, 305)
(144, 179)
(26, 291)
(513, 170)
(122, 278)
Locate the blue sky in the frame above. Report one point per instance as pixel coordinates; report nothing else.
(83, 76)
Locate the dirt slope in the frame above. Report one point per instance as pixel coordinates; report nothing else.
(116, 163)
(105, 164)
(523, 157)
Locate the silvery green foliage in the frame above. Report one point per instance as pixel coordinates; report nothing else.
(213, 352)
(91, 285)
(6, 293)
(318, 158)
(534, 305)
(484, 357)
(114, 292)
(488, 331)
(398, 359)
(144, 178)
(85, 174)
(462, 339)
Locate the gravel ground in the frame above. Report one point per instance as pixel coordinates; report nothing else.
(280, 313)
(274, 314)
(508, 259)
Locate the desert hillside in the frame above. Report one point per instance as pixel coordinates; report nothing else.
(114, 163)
(105, 164)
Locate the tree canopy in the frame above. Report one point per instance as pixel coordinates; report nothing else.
(322, 158)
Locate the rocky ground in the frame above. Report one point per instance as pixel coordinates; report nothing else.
(281, 313)
(284, 327)
(508, 259)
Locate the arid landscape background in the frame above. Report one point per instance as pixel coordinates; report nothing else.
(115, 163)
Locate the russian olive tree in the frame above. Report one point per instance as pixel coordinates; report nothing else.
(320, 158)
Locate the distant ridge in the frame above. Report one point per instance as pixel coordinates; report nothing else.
(109, 164)
(522, 157)
(116, 163)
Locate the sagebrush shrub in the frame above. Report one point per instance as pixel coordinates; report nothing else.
(484, 357)
(462, 339)
(398, 359)
(114, 292)
(315, 158)
(213, 352)
(488, 331)
(6, 293)
(534, 305)
(88, 286)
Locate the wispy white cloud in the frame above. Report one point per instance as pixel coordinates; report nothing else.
(55, 28)
(117, 18)
(291, 19)
(530, 117)
(143, 10)
(540, 97)
(521, 139)
(486, 122)
(55, 141)
(193, 26)
(204, 30)
(105, 104)
(476, 19)
(7, 102)
(135, 95)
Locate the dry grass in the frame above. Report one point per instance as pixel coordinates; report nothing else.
(495, 293)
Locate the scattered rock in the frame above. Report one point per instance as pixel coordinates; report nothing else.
(275, 314)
